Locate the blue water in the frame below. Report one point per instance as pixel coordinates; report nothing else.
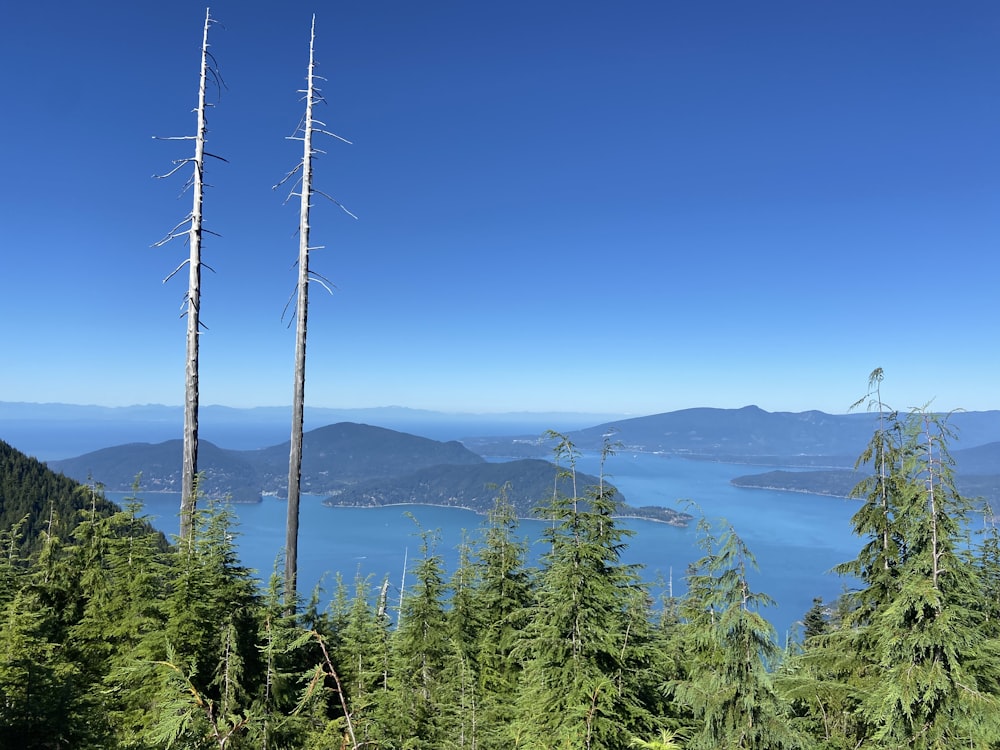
(796, 537)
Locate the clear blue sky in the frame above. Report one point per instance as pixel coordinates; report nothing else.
(626, 207)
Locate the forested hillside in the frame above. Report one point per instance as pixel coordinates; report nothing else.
(978, 477)
(108, 639)
(354, 464)
(334, 456)
(34, 499)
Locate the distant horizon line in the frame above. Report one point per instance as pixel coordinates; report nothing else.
(441, 412)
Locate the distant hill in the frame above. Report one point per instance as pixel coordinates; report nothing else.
(346, 453)
(354, 464)
(747, 435)
(58, 431)
(530, 483)
(116, 468)
(33, 494)
(333, 457)
(977, 475)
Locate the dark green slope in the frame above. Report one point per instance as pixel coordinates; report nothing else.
(529, 483)
(29, 490)
(333, 456)
(355, 464)
(223, 472)
(344, 453)
(977, 475)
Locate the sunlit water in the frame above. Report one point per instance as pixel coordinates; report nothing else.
(797, 538)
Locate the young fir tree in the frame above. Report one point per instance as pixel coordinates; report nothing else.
(823, 684)
(730, 646)
(44, 697)
(48, 696)
(281, 722)
(912, 664)
(876, 520)
(124, 579)
(460, 677)
(13, 567)
(937, 676)
(410, 715)
(362, 658)
(988, 563)
(209, 664)
(503, 597)
(579, 652)
(815, 622)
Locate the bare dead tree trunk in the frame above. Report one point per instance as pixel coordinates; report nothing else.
(310, 126)
(189, 470)
(301, 320)
(192, 306)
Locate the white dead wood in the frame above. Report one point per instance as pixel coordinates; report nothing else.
(192, 227)
(304, 183)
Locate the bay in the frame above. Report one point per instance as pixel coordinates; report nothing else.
(797, 538)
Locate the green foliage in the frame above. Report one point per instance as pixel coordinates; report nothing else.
(45, 701)
(815, 621)
(730, 646)
(924, 632)
(581, 646)
(502, 600)
(915, 662)
(31, 494)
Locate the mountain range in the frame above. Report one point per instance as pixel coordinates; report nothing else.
(362, 464)
(822, 448)
(747, 435)
(352, 464)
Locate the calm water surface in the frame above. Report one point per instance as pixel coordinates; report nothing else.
(796, 537)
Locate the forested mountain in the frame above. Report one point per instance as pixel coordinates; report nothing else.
(33, 499)
(116, 468)
(977, 469)
(365, 465)
(356, 465)
(334, 457)
(527, 484)
(344, 453)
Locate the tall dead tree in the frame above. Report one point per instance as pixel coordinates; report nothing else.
(191, 226)
(309, 127)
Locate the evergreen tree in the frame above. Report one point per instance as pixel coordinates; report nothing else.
(815, 622)
(579, 650)
(123, 577)
(730, 647)
(460, 677)
(913, 663)
(43, 695)
(210, 659)
(411, 715)
(503, 597)
(363, 659)
(988, 564)
(924, 637)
